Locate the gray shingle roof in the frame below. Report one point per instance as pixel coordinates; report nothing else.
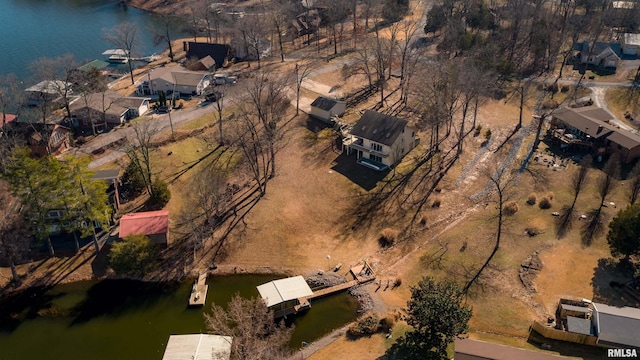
(589, 119)
(324, 103)
(380, 128)
(618, 325)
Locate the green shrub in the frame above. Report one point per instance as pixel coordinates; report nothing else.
(134, 255)
(132, 181)
(326, 133)
(365, 325)
(477, 131)
(160, 195)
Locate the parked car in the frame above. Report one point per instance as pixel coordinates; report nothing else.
(213, 96)
(163, 109)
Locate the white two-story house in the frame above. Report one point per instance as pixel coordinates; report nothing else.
(380, 141)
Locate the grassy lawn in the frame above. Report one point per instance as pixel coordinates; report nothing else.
(622, 100)
(200, 122)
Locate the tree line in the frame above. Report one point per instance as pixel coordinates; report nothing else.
(45, 196)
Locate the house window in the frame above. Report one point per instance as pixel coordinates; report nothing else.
(376, 147)
(413, 134)
(375, 158)
(85, 122)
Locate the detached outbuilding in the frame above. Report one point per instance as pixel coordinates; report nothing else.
(617, 327)
(286, 296)
(198, 347)
(324, 108)
(154, 224)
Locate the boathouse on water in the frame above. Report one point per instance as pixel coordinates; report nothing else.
(198, 347)
(283, 295)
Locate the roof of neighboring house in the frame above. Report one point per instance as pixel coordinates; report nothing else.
(109, 174)
(147, 223)
(207, 62)
(177, 75)
(324, 103)
(114, 103)
(618, 325)
(579, 325)
(631, 39)
(198, 50)
(198, 347)
(36, 129)
(467, 349)
(279, 291)
(598, 47)
(7, 118)
(589, 119)
(378, 127)
(574, 308)
(48, 86)
(625, 139)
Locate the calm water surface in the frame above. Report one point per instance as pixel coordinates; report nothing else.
(32, 29)
(116, 319)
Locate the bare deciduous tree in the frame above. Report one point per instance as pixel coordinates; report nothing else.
(578, 181)
(262, 111)
(124, 36)
(301, 72)
(256, 336)
(501, 183)
(604, 186)
(140, 149)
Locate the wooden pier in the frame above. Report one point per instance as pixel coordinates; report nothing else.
(199, 291)
(363, 274)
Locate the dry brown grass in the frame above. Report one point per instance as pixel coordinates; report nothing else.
(388, 237)
(621, 101)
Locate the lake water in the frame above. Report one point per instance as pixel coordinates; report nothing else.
(121, 319)
(33, 29)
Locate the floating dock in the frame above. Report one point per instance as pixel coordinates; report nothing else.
(199, 291)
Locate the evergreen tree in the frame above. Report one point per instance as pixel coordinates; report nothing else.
(624, 232)
(437, 315)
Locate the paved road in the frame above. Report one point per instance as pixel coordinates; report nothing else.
(158, 123)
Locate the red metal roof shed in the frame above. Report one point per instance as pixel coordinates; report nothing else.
(147, 223)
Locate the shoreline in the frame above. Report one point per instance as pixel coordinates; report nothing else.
(159, 7)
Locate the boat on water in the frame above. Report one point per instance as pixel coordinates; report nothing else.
(116, 56)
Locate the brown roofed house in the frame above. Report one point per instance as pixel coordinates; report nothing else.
(589, 127)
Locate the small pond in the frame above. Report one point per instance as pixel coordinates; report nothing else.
(124, 319)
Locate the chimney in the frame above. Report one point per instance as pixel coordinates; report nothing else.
(599, 129)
